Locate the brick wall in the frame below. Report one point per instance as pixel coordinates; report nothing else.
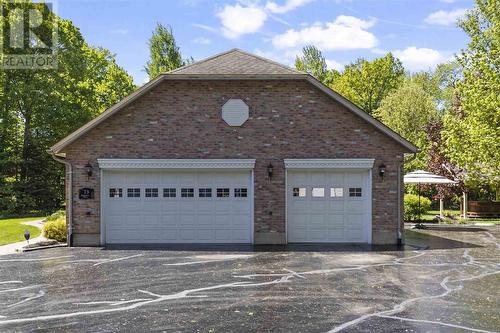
(288, 119)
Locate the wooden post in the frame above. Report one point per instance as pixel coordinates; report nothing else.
(441, 208)
(464, 199)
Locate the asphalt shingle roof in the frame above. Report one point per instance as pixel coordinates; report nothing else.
(235, 62)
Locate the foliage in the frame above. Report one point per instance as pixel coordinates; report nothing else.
(438, 164)
(313, 62)
(367, 83)
(472, 130)
(450, 214)
(440, 83)
(40, 107)
(58, 214)
(55, 229)
(163, 52)
(408, 111)
(411, 206)
(12, 230)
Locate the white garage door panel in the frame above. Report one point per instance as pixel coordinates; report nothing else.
(327, 218)
(177, 219)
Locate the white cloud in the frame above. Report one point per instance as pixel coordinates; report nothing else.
(345, 33)
(238, 20)
(443, 17)
(289, 5)
(332, 64)
(204, 27)
(202, 41)
(417, 59)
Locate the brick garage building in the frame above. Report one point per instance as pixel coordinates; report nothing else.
(234, 149)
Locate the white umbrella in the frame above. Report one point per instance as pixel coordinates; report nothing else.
(424, 177)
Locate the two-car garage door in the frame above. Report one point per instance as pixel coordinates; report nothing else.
(193, 206)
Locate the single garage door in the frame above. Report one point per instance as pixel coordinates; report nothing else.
(328, 206)
(194, 206)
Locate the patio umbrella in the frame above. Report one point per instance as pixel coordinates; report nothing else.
(424, 177)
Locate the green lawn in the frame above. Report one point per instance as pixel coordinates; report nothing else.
(11, 230)
(429, 216)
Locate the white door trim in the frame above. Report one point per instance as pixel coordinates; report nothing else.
(102, 227)
(370, 204)
(117, 163)
(334, 163)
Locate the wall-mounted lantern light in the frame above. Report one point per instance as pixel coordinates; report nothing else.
(381, 170)
(270, 169)
(88, 169)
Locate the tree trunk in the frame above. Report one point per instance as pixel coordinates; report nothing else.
(26, 144)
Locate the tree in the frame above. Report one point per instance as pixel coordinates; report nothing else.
(438, 164)
(40, 106)
(164, 53)
(472, 131)
(440, 83)
(408, 111)
(313, 62)
(366, 83)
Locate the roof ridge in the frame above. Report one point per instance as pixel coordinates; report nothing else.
(235, 50)
(270, 61)
(202, 60)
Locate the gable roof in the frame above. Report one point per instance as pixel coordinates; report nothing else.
(235, 62)
(232, 65)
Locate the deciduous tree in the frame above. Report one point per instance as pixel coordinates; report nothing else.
(367, 83)
(313, 62)
(472, 132)
(408, 111)
(38, 107)
(164, 54)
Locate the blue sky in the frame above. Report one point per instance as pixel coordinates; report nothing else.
(422, 33)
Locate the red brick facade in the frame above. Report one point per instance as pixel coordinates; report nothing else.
(288, 119)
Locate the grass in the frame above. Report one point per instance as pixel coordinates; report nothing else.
(12, 231)
(429, 216)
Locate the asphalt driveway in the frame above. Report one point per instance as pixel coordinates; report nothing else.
(446, 281)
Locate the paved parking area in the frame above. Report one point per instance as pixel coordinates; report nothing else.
(446, 281)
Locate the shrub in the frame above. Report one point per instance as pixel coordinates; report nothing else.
(411, 210)
(450, 214)
(58, 214)
(56, 229)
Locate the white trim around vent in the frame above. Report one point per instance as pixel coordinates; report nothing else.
(336, 163)
(112, 163)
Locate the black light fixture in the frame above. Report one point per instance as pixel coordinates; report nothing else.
(88, 169)
(381, 170)
(270, 169)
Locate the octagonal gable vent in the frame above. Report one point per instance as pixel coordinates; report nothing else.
(235, 112)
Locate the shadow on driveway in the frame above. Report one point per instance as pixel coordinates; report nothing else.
(414, 240)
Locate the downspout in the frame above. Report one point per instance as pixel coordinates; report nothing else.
(69, 196)
(400, 236)
(400, 218)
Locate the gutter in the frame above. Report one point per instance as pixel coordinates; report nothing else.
(69, 195)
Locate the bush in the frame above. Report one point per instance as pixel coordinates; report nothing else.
(411, 210)
(57, 215)
(449, 214)
(55, 229)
